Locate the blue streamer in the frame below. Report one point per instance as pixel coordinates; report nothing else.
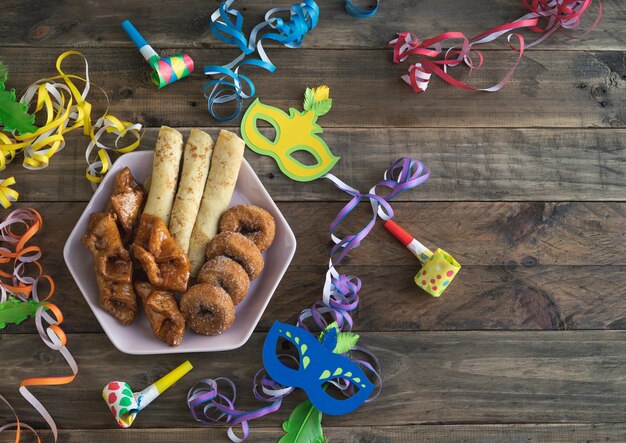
(227, 25)
(357, 12)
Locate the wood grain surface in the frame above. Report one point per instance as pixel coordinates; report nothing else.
(429, 378)
(534, 275)
(575, 89)
(511, 433)
(89, 23)
(527, 191)
(466, 165)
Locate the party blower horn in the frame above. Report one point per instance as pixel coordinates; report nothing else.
(125, 404)
(438, 268)
(166, 69)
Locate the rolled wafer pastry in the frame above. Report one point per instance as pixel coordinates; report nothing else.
(146, 184)
(167, 154)
(196, 162)
(225, 164)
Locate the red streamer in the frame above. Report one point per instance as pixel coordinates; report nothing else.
(545, 18)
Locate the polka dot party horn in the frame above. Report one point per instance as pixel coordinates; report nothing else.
(438, 268)
(166, 69)
(125, 404)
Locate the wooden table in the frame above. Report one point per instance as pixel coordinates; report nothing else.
(527, 190)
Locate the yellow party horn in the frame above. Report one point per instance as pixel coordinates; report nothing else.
(438, 268)
(125, 404)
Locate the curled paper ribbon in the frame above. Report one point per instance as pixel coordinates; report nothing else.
(7, 195)
(18, 425)
(340, 299)
(557, 15)
(23, 286)
(359, 12)
(209, 405)
(233, 86)
(340, 296)
(64, 107)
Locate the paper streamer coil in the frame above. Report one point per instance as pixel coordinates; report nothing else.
(227, 25)
(64, 108)
(545, 18)
(25, 258)
(360, 12)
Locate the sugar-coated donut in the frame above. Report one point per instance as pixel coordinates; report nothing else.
(228, 274)
(255, 223)
(237, 247)
(208, 309)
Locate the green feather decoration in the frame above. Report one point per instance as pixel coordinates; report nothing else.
(304, 425)
(344, 341)
(322, 107)
(14, 115)
(14, 311)
(309, 99)
(4, 73)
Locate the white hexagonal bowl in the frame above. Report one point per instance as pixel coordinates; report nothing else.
(137, 338)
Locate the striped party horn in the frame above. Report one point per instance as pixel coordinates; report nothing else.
(166, 70)
(438, 268)
(126, 404)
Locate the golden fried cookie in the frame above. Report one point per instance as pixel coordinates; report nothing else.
(208, 309)
(237, 247)
(253, 222)
(228, 274)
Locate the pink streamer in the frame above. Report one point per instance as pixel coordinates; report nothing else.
(554, 14)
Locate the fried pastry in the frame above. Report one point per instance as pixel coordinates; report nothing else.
(113, 267)
(165, 263)
(208, 309)
(166, 320)
(253, 222)
(125, 202)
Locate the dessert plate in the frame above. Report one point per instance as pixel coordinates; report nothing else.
(137, 338)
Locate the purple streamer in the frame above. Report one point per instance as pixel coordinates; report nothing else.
(208, 404)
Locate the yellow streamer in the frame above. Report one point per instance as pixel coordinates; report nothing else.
(7, 195)
(65, 108)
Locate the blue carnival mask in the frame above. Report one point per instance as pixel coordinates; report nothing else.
(318, 365)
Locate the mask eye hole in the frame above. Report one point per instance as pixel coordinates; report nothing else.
(268, 129)
(288, 353)
(270, 133)
(305, 157)
(340, 388)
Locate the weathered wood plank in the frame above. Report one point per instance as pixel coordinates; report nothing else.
(526, 266)
(478, 233)
(466, 165)
(554, 433)
(550, 89)
(186, 23)
(482, 297)
(468, 377)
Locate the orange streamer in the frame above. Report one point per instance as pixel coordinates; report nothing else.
(25, 287)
